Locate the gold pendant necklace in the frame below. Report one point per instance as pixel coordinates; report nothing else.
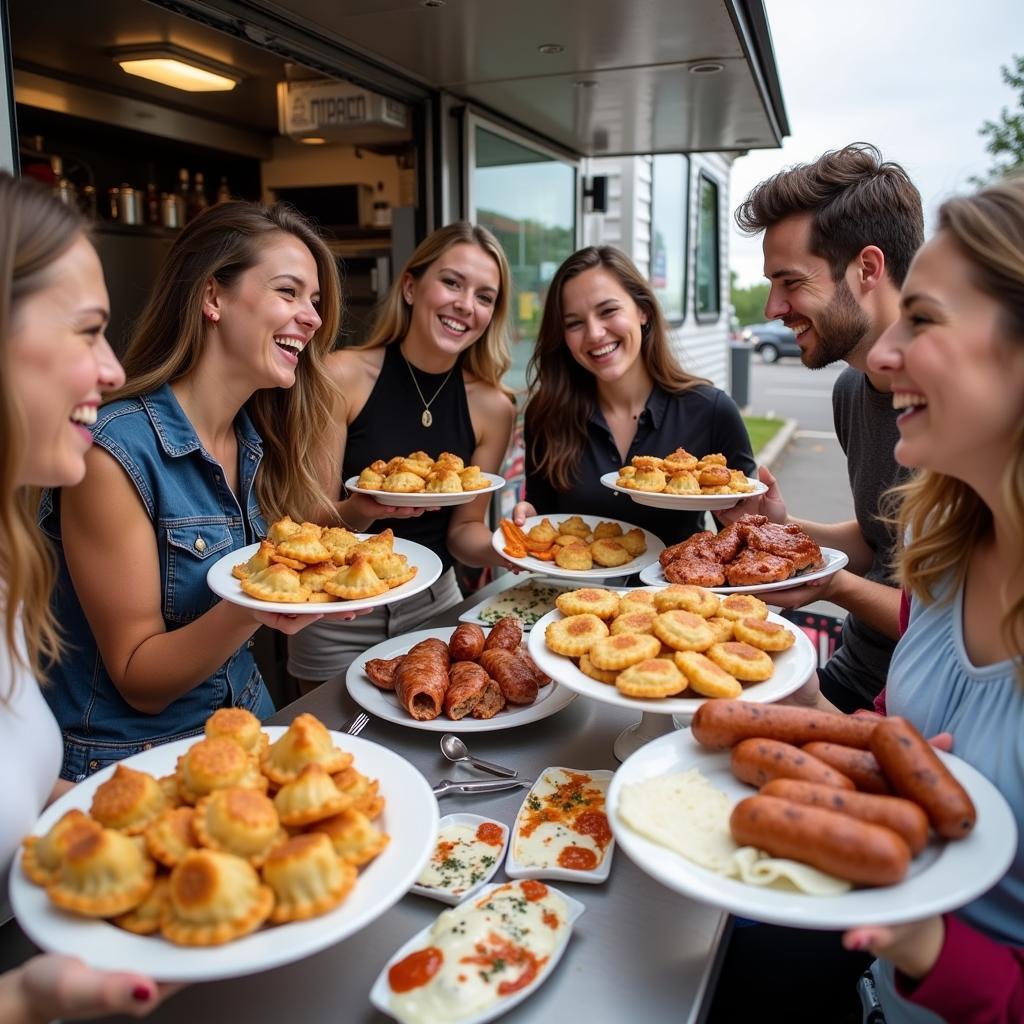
(427, 418)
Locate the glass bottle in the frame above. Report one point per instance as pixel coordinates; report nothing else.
(198, 196)
(152, 204)
(183, 195)
(223, 190)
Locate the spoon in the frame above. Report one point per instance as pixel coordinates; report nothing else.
(455, 750)
(479, 786)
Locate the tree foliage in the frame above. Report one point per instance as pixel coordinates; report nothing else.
(1006, 135)
(749, 302)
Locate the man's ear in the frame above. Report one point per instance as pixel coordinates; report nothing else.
(870, 267)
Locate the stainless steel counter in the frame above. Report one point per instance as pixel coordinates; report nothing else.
(638, 951)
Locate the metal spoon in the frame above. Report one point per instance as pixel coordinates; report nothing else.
(455, 750)
(479, 786)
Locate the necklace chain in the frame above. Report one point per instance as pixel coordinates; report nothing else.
(427, 418)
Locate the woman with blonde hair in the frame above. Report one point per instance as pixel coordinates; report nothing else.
(54, 366)
(427, 379)
(206, 442)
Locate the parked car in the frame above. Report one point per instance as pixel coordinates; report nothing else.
(771, 340)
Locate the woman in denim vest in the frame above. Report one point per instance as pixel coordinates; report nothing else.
(225, 394)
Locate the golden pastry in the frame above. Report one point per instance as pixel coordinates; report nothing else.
(128, 801)
(680, 461)
(213, 764)
(714, 459)
(721, 489)
(690, 599)
(282, 529)
(634, 541)
(575, 527)
(607, 529)
(239, 725)
(338, 540)
(169, 784)
(369, 480)
(575, 557)
(422, 469)
(588, 668)
(626, 474)
(304, 547)
(647, 480)
(310, 797)
(444, 481)
(683, 631)
(392, 568)
(764, 635)
(365, 793)
(739, 483)
(356, 582)
(239, 821)
(615, 653)
(707, 678)
(404, 482)
(276, 583)
(145, 918)
(261, 559)
(420, 456)
(315, 576)
(308, 878)
(543, 532)
(574, 635)
(171, 836)
(722, 628)
(354, 837)
(633, 622)
(473, 480)
(746, 663)
(636, 601)
(602, 603)
(306, 741)
(609, 553)
(447, 460)
(682, 483)
(655, 677)
(42, 855)
(743, 606)
(646, 462)
(276, 558)
(380, 543)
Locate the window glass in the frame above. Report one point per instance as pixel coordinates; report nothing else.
(708, 280)
(670, 176)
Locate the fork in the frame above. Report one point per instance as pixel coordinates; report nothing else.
(356, 725)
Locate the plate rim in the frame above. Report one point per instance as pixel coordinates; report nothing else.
(462, 818)
(469, 614)
(418, 499)
(684, 502)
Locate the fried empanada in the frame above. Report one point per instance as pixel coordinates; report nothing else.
(356, 581)
(216, 763)
(128, 801)
(259, 561)
(278, 583)
(308, 878)
(239, 821)
(306, 741)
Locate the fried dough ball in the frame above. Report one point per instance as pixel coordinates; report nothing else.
(625, 475)
(682, 483)
(575, 635)
(447, 460)
(646, 462)
(738, 483)
(680, 461)
(764, 635)
(575, 527)
(444, 481)
(713, 476)
(655, 677)
(369, 480)
(653, 480)
(473, 479)
(746, 663)
(575, 557)
(606, 529)
(707, 678)
(609, 553)
(543, 532)
(714, 459)
(403, 482)
(634, 541)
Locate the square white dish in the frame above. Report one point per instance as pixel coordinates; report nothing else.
(454, 896)
(529, 601)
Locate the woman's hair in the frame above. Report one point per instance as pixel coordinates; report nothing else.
(488, 357)
(563, 394)
(222, 244)
(37, 231)
(941, 516)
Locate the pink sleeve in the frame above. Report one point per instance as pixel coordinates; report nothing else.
(974, 980)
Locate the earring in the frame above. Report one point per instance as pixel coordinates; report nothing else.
(211, 316)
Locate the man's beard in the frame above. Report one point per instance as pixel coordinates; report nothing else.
(840, 328)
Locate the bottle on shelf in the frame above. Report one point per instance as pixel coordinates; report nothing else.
(152, 204)
(88, 203)
(63, 189)
(223, 190)
(182, 196)
(197, 197)
(381, 209)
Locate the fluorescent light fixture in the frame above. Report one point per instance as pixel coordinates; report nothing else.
(176, 67)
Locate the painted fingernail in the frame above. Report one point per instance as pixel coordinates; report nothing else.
(142, 993)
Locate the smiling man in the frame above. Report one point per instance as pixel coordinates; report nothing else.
(839, 235)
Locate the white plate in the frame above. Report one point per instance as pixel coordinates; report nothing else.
(421, 499)
(654, 576)
(945, 875)
(384, 704)
(684, 502)
(223, 584)
(505, 601)
(514, 868)
(792, 669)
(599, 572)
(410, 818)
(473, 821)
(380, 994)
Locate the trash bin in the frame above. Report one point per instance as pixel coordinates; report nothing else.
(739, 373)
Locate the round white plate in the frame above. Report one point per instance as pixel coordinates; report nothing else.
(421, 499)
(654, 576)
(410, 818)
(684, 502)
(599, 572)
(473, 821)
(223, 584)
(380, 994)
(384, 704)
(945, 875)
(792, 669)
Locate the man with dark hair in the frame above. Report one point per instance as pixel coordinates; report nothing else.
(839, 235)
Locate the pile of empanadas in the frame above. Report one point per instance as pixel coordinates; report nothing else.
(245, 832)
(683, 474)
(660, 643)
(410, 474)
(571, 544)
(303, 562)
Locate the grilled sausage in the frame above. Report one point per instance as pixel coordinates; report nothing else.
(723, 723)
(915, 771)
(860, 766)
(838, 844)
(467, 642)
(902, 816)
(516, 679)
(758, 760)
(491, 702)
(466, 685)
(381, 671)
(507, 634)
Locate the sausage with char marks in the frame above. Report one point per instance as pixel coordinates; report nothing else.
(719, 724)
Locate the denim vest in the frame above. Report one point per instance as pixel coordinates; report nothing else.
(197, 520)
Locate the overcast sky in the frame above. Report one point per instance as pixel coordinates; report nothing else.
(916, 78)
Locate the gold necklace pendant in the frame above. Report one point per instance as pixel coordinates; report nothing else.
(426, 419)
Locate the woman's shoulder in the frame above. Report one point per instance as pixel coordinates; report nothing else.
(486, 397)
(350, 365)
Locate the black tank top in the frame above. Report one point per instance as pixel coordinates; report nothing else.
(390, 424)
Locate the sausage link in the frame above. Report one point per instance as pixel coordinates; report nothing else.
(835, 843)
(507, 634)
(915, 771)
(723, 723)
(859, 765)
(467, 642)
(758, 760)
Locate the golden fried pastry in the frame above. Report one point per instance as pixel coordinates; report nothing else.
(338, 540)
(575, 527)
(239, 725)
(713, 476)
(392, 568)
(614, 653)
(145, 918)
(473, 480)
(636, 601)
(276, 558)
(169, 784)
(626, 474)
(606, 529)
(746, 663)
(305, 547)
(306, 741)
(633, 622)
(714, 459)
(239, 821)
(564, 539)
(103, 873)
(753, 566)
(575, 557)
(42, 855)
(315, 576)
(261, 559)
(356, 582)
(354, 837)
(444, 481)
(575, 634)
(128, 801)
(365, 793)
(421, 468)
(404, 482)
(171, 836)
(743, 606)
(683, 631)
(602, 603)
(739, 483)
(655, 677)
(609, 553)
(310, 797)
(690, 599)
(643, 462)
(381, 543)
(216, 763)
(682, 483)
(705, 677)
(276, 583)
(369, 480)
(214, 897)
(308, 878)
(393, 465)
(722, 627)
(646, 480)
(448, 460)
(680, 461)
(420, 456)
(543, 532)
(764, 635)
(588, 668)
(282, 529)
(722, 489)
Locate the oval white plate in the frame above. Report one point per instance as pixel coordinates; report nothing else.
(599, 572)
(384, 704)
(409, 817)
(223, 584)
(514, 868)
(421, 499)
(380, 994)
(654, 576)
(792, 669)
(945, 875)
(684, 502)
(474, 821)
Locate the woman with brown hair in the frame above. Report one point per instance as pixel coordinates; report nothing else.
(604, 387)
(427, 379)
(207, 441)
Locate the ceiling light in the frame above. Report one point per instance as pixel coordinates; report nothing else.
(706, 67)
(176, 67)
